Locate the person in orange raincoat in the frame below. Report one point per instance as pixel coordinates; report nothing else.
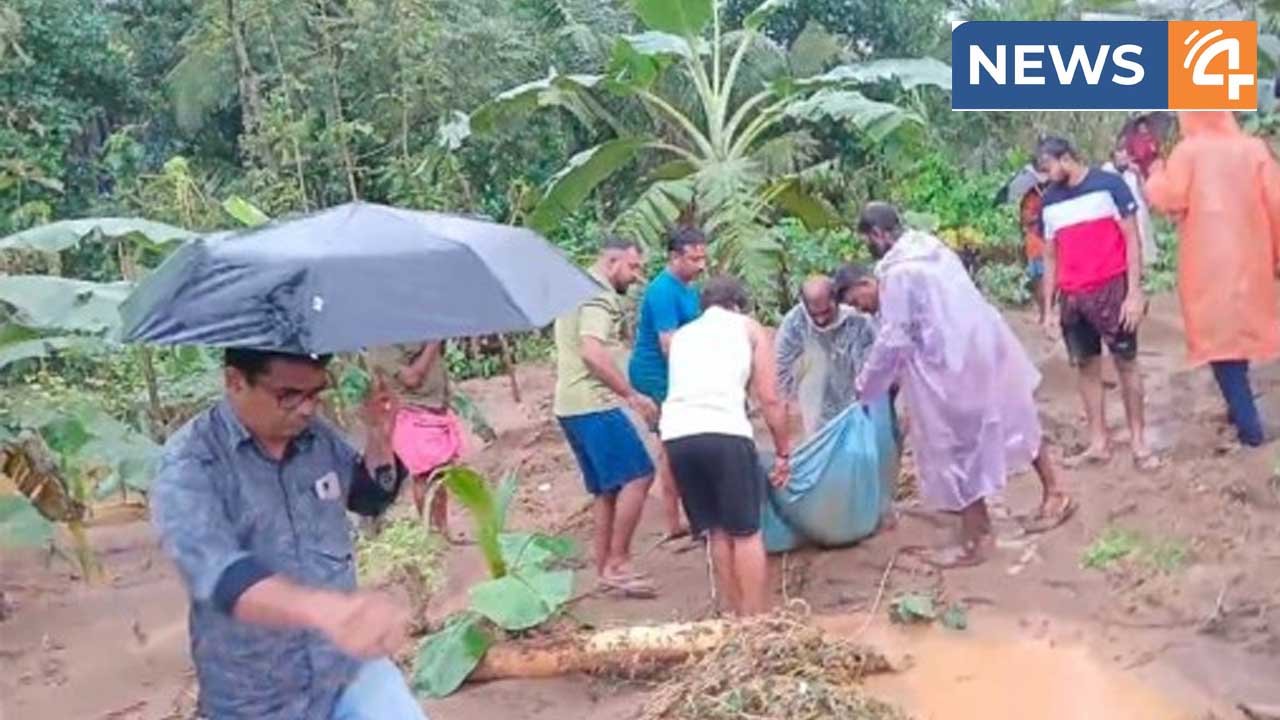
(1223, 189)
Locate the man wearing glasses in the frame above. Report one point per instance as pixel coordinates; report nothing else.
(251, 503)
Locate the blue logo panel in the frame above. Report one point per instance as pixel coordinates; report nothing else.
(1060, 65)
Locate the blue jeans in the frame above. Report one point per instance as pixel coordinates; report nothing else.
(1233, 380)
(379, 692)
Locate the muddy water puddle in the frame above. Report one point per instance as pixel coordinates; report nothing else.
(997, 671)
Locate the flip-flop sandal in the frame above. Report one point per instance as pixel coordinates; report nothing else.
(955, 556)
(629, 587)
(1045, 523)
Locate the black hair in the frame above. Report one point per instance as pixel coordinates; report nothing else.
(849, 276)
(253, 364)
(879, 216)
(617, 242)
(684, 236)
(725, 291)
(1055, 147)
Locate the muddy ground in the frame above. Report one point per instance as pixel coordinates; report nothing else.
(1185, 628)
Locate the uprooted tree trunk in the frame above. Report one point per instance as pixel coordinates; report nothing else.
(623, 652)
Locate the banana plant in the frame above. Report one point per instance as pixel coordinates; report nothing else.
(717, 118)
(524, 590)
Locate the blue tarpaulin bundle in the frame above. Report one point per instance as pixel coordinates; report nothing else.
(842, 482)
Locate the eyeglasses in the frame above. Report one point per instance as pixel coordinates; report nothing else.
(291, 399)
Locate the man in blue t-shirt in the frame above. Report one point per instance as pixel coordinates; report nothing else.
(670, 302)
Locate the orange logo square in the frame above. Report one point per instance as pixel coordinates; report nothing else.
(1213, 65)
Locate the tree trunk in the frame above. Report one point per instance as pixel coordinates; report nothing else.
(250, 83)
(634, 651)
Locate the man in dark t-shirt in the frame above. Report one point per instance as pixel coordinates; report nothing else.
(1093, 268)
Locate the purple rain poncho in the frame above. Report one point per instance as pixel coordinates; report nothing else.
(966, 380)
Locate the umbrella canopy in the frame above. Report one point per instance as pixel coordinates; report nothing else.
(354, 276)
(1020, 184)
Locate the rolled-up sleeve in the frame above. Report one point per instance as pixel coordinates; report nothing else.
(196, 533)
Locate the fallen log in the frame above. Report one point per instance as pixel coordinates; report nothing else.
(628, 651)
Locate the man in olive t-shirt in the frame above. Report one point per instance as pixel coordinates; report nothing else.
(590, 390)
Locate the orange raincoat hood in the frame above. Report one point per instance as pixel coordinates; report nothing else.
(1222, 187)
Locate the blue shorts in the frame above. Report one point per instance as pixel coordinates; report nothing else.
(608, 449)
(1035, 268)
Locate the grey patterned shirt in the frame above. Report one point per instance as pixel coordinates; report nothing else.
(230, 516)
(820, 365)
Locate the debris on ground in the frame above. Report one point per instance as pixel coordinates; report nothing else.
(779, 666)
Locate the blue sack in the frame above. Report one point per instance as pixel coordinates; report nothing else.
(842, 482)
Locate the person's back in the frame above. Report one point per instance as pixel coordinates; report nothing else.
(710, 368)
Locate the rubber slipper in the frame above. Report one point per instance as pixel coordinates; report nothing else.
(629, 587)
(956, 556)
(1045, 523)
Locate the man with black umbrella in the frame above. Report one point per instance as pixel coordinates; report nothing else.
(251, 503)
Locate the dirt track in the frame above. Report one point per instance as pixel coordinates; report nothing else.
(1048, 639)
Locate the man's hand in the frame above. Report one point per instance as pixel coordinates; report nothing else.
(379, 415)
(781, 473)
(1052, 324)
(410, 378)
(1133, 310)
(364, 625)
(646, 407)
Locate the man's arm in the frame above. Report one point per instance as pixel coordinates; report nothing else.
(1135, 302)
(764, 373)
(894, 345)
(415, 372)
(594, 324)
(377, 474)
(788, 347)
(1049, 283)
(196, 533)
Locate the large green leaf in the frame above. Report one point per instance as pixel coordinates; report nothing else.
(21, 525)
(874, 118)
(586, 170)
(17, 351)
(446, 658)
(473, 491)
(245, 212)
(511, 106)
(524, 551)
(653, 213)
(758, 17)
(679, 17)
(523, 600)
(661, 44)
(908, 72)
(67, 234)
(815, 212)
(45, 302)
(507, 488)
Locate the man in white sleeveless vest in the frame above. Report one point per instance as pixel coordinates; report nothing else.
(967, 382)
(710, 441)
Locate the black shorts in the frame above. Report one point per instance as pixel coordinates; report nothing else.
(1090, 319)
(721, 482)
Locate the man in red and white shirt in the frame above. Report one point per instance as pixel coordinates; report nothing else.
(1093, 260)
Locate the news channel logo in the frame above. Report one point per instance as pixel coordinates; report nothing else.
(1105, 65)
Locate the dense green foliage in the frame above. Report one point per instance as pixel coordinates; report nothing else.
(578, 117)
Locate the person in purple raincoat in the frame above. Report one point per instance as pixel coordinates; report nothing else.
(966, 380)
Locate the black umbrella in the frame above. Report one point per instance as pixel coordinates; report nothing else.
(1020, 184)
(354, 276)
